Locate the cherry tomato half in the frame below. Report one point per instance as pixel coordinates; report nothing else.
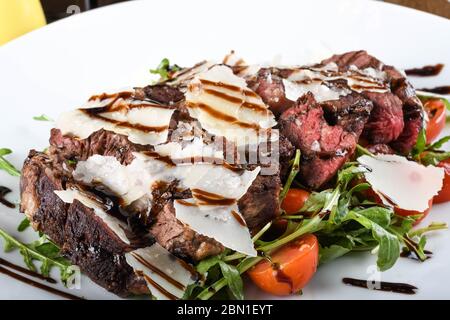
(436, 118)
(295, 199)
(290, 269)
(406, 213)
(444, 194)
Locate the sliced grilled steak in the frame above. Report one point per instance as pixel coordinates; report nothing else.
(269, 86)
(40, 177)
(386, 120)
(359, 59)
(163, 93)
(260, 204)
(162, 224)
(179, 239)
(413, 112)
(102, 142)
(388, 125)
(84, 238)
(325, 146)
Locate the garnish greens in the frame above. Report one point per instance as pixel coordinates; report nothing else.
(342, 219)
(6, 165)
(430, 154)
(42, 250)
(165, 69)
(24, 224)
(42, 117)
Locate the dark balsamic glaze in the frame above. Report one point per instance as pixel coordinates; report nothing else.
(383, 286)
(426, 71)
(26, 271)
(282, 277)
(38, 285)
(208, 198)
(159, 272)
(222, 116)
(3, 192)
(411, 255)
(159, 288)
(238, 218)
(109, 107)
(437, 90)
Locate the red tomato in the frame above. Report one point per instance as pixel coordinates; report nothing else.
(406, 213)
(290, 269)
(444, 194)
(295, 199)
(371, 195)
(292, 203)
(436, 118)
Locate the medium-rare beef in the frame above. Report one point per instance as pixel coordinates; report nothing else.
(384, 125)
(85, 240)
(325, 146)
(413, 112)
(386, 119)
(269, 86)
(380, 149)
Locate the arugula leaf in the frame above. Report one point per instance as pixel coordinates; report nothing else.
(23, 225)
(438, 144)
(431, 227)
(42, 117)
(433, 158)
(420, 144)
(42, 250)
(294, 170)
(164, 69)
(206, 264)
(389, 245)
(327, 254)
(6, 165)
(233, 279)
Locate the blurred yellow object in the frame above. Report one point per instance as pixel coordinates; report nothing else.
(18, 17)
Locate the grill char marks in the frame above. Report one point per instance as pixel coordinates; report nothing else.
(85, 240)
(162, 223)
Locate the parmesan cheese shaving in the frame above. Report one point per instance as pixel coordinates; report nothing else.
(224, 106)
(143, 124)
(166, 276)
(218, 222)
(400, 182)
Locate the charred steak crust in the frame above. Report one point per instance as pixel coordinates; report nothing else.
(163, 225)
(85, 240)
(99, 252)
(260, 204)
(103, 142)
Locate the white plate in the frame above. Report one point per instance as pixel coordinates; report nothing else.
(59, 66)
